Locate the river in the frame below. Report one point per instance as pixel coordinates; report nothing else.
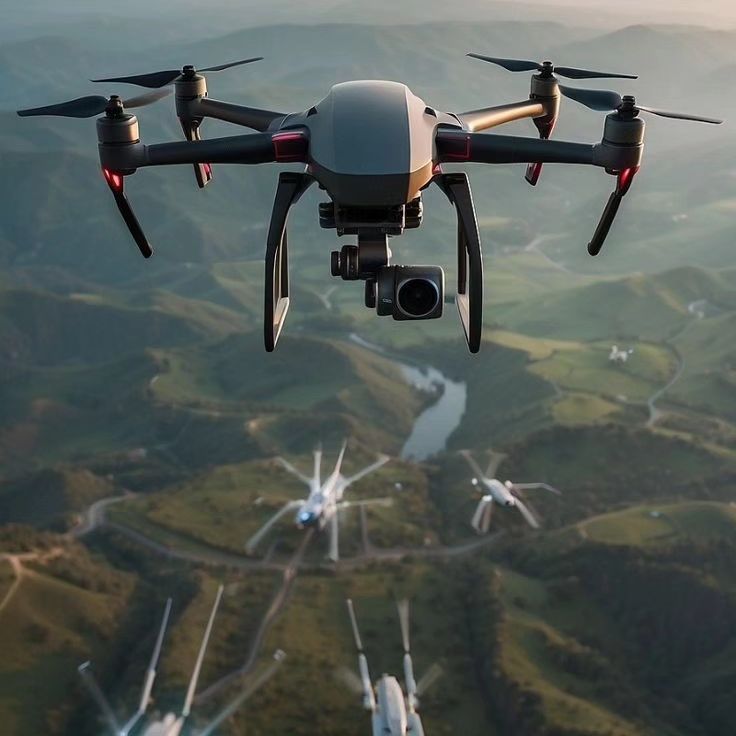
(433, 427)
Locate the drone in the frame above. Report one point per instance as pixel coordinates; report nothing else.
(324, 502)
(173, 724)
(373, 147)
(392, 712)
(503, 493)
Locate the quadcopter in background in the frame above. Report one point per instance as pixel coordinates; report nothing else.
(392, 712)
(373, 146)
(324, 502)
(173, 724)
(505, 494)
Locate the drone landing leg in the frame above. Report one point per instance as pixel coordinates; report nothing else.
(470, 257)
(202, 172)
(290, 188)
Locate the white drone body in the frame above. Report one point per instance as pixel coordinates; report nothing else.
(503, 494)
(324, 501)
(617, 355)
(393, 713)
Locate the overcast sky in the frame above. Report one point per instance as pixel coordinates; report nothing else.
(711, 12)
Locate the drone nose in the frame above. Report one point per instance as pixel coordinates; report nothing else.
(306, 518)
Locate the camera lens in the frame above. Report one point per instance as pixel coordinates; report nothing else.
(418, 297)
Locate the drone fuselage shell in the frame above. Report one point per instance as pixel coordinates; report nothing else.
(371, 142)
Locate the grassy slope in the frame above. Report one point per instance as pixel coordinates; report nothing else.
(585, 659)
(49, 627)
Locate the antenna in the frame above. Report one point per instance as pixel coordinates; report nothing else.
(278, 657)
(338, 464)
(411, 685)
(150, 674)
(85, 671)
(318, 464)
(369, 698)
(200, 657)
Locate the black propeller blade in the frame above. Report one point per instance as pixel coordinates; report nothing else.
(608, 101)
(88, 107)
(161, 79)
(548, 68)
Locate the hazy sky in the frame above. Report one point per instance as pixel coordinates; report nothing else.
(710, 11)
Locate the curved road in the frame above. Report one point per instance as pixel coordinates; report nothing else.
(16, 563)
(655, 414)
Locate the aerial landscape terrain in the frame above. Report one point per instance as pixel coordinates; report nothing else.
(140, 417)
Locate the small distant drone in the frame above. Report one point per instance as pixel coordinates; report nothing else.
(324, 502)
(620, 355)
(504, 494)
(392, 712)
(373, 147)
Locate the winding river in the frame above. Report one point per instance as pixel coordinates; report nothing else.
(433, 427)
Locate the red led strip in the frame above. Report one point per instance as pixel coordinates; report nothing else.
(289, 147)
(625, 178)
(114, 180)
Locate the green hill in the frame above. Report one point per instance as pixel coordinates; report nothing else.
(50, 497)
(63, 612)
(44, 330)
(595, 634)
(637, 307)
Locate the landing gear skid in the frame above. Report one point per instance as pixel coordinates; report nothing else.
(290, 188)
(469, 297)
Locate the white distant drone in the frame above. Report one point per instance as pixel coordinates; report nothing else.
(392, 713)
(323, 502)
(505, 494)
(173, 724)
(620, 356)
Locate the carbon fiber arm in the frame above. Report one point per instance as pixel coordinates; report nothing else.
(490, 117)
(254, 148)
(250, 117)
(458, 147)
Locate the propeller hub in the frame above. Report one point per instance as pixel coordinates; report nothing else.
(188, 71)
(114, 107)
(628, 108)
(547, 69)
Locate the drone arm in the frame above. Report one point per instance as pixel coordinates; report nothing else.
(250, 117)
(254, 148)
(481, 520)
(286, 465)
(369, 698)
(455, 146)
(85, 672)
(191, 690)
(334, 536)
(490, 117)
(150, 675)
(535, 486)
(367, 470)
(253, 542)
(246, 693)
(473, 465)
